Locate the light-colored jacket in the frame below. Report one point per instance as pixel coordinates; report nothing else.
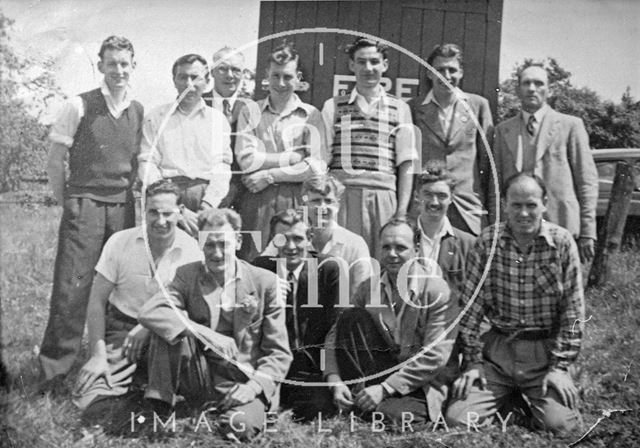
(565, 163)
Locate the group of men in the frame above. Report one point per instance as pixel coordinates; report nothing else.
(283, 247)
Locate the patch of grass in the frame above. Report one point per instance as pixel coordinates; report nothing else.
(608, 370)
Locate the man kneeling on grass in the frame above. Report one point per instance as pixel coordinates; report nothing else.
(400, 318)
(127, 274)
(220, 338)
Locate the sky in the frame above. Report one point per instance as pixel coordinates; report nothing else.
(596, 40)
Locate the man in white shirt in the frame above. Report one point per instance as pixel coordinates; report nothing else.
(188, 142)
(131, 269)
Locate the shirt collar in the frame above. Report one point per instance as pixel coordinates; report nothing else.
(447, 229)
(295, 104)
(460, 95)
(126, 99)
(219, 98)
(296, 272)
(382, 96)
(412, 280)
(174, 246)
(199, 109)
(542, 233)
(539, 114)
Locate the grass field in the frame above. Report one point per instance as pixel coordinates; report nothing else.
(608, 368)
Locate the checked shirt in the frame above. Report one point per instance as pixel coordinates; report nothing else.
(538, 290)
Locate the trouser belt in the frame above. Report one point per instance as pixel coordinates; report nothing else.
(526, 334)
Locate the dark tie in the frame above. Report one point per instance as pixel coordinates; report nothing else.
(226, 109)
(531, 129)
(291, 279)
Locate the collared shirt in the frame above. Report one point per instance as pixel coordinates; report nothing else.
(541, 289)
(217, 100)
(430, 248)
(298, 126)
(64, 129)
(539, 115)
(406, 143)
(126, 263)
(195, 145)
(445, 114)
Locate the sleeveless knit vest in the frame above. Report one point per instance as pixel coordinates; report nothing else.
(102, 159)
(371, 143)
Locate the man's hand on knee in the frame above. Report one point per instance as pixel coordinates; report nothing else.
(561, 381)
(462, 385)
(369, 398)
(238, 395)
(223, 345)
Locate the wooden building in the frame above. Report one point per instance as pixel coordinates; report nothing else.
(415, 25)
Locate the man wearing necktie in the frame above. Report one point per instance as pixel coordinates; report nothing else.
(555, 147)
(312, 293)
(226, 96)
(394, 341)
(446, 117)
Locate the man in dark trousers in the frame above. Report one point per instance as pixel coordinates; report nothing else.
(100, 130)
(312, 293)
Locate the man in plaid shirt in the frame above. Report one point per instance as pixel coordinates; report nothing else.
(533, 298)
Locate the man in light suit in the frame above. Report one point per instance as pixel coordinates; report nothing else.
(394, 318)
(447, 122)
(220, 336)
(555, 147)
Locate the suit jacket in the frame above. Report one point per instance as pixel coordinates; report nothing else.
(462, 151)
(563, 161)
(452, 258)
(258, 318)
(426, 314)
(236, 187)
(313, 322)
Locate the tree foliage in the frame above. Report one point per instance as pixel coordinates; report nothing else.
(609, 124)
(25, 87)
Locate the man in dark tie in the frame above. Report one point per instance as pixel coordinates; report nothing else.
(312, 292)
(226, 96)
(555, 147)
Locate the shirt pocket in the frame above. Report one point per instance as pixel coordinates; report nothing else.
(548, 280)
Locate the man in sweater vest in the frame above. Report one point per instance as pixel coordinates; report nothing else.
(100, 130)
(370, 146)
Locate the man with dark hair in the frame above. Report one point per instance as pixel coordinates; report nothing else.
(440, 242)
(532, 297)
(100, 130)
(219, 337)
(370, 146)
(312, 293)
(126, 276)
(555, 147)
(446, 117)
(227, 71)
(398, 324)
(188, 142)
